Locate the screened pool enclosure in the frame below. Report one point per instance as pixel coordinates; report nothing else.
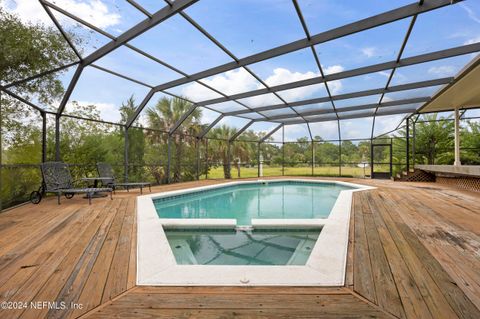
(182, 90)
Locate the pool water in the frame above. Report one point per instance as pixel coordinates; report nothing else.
(278, 200)
(238, 247)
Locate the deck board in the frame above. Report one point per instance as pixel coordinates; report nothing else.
(413, 253)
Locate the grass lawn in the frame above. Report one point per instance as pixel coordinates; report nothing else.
(217, 172)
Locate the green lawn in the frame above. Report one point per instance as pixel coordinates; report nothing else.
(217, 172)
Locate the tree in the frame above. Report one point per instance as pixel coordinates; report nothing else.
(434, 140)
(30, 49)
(26, 50)
(219, 145)
(136, 139)
(163, 116)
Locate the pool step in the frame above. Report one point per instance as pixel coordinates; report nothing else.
(244, 228)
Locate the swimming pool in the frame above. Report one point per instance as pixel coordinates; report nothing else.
(261, 200)
(242, 247)
(277, 232)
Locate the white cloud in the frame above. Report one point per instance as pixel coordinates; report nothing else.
(387, 99)
(93, 11)
(369, 52)
(444, 70)
(332, 69)
(334, 86)
(472, 40)
(282, 75)
(240, 80)
(384, 73)
(232, 82)
(471, 14)
(197, 92)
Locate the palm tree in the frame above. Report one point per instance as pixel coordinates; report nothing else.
(434, 139)
(239, 150)
(163, 116)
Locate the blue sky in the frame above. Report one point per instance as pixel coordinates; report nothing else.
(250, 26)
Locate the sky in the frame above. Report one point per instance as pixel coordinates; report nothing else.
(250, 26)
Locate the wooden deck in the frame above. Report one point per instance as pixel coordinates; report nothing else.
(414, 253)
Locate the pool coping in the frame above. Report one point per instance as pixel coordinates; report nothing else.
(326, 266)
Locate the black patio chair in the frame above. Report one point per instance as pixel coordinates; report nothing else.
(58, 179)
(106, 170)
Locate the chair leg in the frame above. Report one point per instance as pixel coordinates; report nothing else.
(89, 195)
(150, 188)
(141, 190)
(111, 196)
(58, 198)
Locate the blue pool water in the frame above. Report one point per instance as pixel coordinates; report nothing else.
(230, 247)
(278, 200)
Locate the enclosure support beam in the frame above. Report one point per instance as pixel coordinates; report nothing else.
(258, 159)
(182, 119)
(414, 143)
(313, 157)
(240, 131)
(229, 160)
(283, 150)
(142, 104)
(371, 158)
(207, 168)
(158, 17)
(197, 146)
(358, 26)
(407, 147)
(396, 88)
(357, 116)
(340, 157)
(427, 57)
(457, 137)
(271, 133)
(169, 157)
(125, 154)
(39, 75)
(207, 129)
(21, 99)
(57, 137)
(1, 147)
(44, 136)
(356, 108)
(71, 87)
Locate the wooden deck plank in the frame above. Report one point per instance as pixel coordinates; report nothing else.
(454, 250)
(412, 301)
(31, 258)
(412, 253)
(462, 305)
(58, 279)
(132, 262)
(73, 287)
(91, 295)
(363, 282)
(211, 305)
(386, 291)
(44, 271)
(433, 297)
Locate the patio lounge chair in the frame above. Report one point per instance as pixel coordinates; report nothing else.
(58, 179)
(106, 170)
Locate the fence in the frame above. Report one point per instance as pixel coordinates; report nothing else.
(159, 157)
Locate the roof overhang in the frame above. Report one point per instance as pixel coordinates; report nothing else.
(463, 92)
